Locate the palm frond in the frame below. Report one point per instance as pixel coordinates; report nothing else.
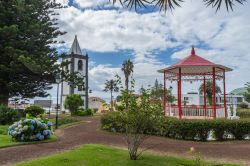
(133, 3)
(218, 3)
(171, 4)
(167, 4)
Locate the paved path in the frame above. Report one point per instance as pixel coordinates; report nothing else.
(86, 133)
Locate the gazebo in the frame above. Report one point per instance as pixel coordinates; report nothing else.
(195, 68)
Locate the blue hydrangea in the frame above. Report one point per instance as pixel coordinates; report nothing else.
(41, 137)
(33, 121)
(49, 124)
(27, 130)
(32, 127)
(38, 135)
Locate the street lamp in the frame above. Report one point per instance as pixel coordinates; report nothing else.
(58, 80)
(170, 108)
(50, 104)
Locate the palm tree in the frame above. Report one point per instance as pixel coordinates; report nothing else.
(171, 4)
(209, 91)
(111, 86)
(127, 68)
(247, 93)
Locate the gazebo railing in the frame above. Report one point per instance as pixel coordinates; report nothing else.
(189, 111)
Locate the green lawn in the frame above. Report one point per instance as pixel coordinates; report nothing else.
(100, 155)
(6, 141)
(3, 129)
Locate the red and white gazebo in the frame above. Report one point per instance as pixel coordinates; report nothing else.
(195, 68)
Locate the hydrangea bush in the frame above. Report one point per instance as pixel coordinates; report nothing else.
(31, 130)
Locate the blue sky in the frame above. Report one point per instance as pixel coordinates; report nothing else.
(154, 40)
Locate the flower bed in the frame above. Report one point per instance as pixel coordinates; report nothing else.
(31, 130)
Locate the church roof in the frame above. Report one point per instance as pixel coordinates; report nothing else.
(75, 48)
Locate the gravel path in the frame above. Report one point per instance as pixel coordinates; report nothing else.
(89, 132)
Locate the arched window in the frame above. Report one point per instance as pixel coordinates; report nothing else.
(80, 65)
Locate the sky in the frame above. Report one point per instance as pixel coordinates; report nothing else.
(154, 40)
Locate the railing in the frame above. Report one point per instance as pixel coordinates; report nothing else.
(189, 111)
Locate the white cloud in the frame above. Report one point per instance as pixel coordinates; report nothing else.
(92, 3)
(225, 34)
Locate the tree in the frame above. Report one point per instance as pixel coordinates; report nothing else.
(140, 119)
(247, 93)
(209, 90)
(73, 102)
(28, 62)
(111, 85)
(127, 68)
(157, 92)
(171, 4)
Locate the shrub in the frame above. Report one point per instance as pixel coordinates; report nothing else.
(203, 128)
(239, 128)
(30, 130)
(83, 112)
(34, 111)
(243, 113)
(73, 102)
(8, 115)
(21, 113)
(220, 129)
(186, 129)
(112, 121)
(243, 105)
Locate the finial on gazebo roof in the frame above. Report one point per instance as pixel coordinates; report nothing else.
(193, 51)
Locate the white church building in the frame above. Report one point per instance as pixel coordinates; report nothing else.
(78, 62)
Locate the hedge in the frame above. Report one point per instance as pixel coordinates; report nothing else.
(221, 129)
(243, 113)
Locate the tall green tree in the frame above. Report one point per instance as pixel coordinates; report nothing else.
(111, 86)
(247, 93)
(157, 92)
(209, 90)
(128, 69)
(171, 4)
(73, 102)
(28, 60)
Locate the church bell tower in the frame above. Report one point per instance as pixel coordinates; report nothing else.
(78, 62)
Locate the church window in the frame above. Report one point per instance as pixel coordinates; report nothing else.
(80, 65)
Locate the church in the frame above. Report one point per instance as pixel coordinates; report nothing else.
(78, 63)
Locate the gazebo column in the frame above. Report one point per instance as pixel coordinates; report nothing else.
(205, 97)
(214, 94)
(224, 89)
(165, 101)
(179, 94)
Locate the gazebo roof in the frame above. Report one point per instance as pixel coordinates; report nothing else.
(194, 64)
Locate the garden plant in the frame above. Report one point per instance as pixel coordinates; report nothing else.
(31, 130)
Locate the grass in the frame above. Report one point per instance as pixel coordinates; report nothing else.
(96, 155)
(3, 129)
(6, 141)
(66, 122)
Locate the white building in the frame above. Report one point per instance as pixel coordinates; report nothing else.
(193, 98)
(77, 63)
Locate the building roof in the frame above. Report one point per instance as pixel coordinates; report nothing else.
(238, 91)
(194, 64)
(75, 48)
